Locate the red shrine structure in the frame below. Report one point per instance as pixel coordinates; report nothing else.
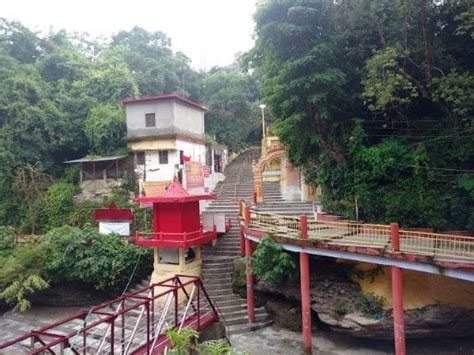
(177, 234)
(114, 220)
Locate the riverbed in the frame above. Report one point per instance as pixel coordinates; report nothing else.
(271, 340)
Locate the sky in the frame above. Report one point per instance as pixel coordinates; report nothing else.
(210, 32)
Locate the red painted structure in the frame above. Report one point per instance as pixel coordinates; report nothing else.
(452, 255)
(397, 295)
(176, 220)
(305, 290)
(135, 323)
(113, 213)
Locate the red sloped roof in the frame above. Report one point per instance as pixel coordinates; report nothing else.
(127, 100)
(112, 213)
(174, 193)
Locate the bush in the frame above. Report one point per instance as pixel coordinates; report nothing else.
(82, 213)
(7, 241)
(104, 261)
(58, 203)
(69, 255)
(21, 274)
(271, 263)
(371, 304)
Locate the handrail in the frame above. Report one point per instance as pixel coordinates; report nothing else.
(145, 299)
(378, 236)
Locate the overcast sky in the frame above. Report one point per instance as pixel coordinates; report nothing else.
(210, 32)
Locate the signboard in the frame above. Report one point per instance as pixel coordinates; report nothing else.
(194, 175)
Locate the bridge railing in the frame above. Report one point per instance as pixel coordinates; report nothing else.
(381, 237)
(451, 247)
(134, 323)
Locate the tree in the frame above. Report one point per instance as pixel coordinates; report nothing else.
(374, 102)
(105, 128)
(232, 99)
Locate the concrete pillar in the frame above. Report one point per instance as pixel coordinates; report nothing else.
(249, 279)
(305, 290)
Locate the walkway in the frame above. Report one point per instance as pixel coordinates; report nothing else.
(218, 261)
(450, 255)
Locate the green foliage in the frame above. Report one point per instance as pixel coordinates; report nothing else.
(18, 291)
(82, 213)
(231, 96)
(58, 203)
(215, 347)
(105, 128)
(374, 102)
(340, 309)
(69, 255)
(21, 274)
(271, 263)
(371, 304)
(60, 94)
(7, 240)
(387, 84)
(182, 341)
(104, 261)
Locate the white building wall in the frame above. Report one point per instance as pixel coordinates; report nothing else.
(160, 172)
(197, 151)
(189, 119)
(164, 118)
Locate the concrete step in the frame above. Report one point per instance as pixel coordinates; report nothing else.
(248, 327)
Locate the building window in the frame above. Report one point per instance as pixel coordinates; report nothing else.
(150, 120)
(140, 158)
(163, 156)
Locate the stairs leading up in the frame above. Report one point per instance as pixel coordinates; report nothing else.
(218, 261)
(273, 203)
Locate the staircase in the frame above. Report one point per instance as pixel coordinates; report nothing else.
(218, 261)
(274, 203)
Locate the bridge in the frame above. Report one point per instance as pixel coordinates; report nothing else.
(448, 255)
(135, 323)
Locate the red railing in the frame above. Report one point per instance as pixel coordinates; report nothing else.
(175, 240)
(135, 323)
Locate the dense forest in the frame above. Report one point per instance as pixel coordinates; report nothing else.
(375, 101)
(60, 99)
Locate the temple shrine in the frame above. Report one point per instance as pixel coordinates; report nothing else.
(177, 234)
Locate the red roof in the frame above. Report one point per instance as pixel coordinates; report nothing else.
(112, 213)
(174, 193)
(163, 98)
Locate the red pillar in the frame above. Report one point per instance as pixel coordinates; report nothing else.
(397, 295)
(242, 242)
(250, 295)
(397, 301)
(305, 290)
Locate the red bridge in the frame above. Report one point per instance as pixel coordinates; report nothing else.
(448, 255)
(135, 323)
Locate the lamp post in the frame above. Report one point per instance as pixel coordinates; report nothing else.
(262, 106)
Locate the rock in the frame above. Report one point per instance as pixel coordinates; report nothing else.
(335, 303)
(284, 314)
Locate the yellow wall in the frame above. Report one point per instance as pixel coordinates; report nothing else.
(420, 289)
(165, 271)
(152, 144)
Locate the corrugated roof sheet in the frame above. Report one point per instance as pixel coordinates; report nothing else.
(95, 159)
